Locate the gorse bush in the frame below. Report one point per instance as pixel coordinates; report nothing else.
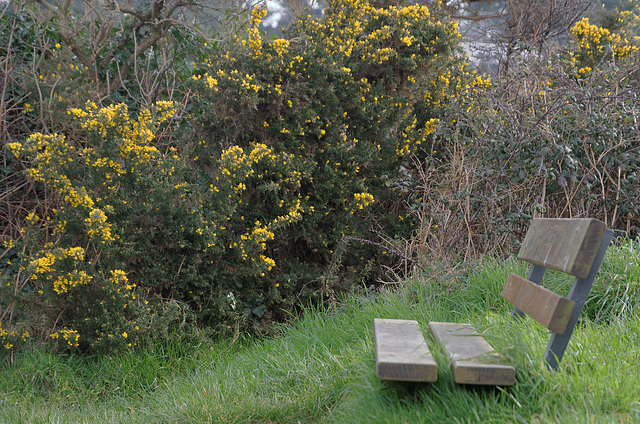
(49, 67)
(295, 145)
(596, 43)
(135, 208)
(347, 101)
(103, 191)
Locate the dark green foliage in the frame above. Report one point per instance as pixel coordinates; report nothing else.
(555, 138)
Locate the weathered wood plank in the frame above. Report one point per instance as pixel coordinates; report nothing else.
(402, 354)
(567, 245)
(473, 360)
(548, 308)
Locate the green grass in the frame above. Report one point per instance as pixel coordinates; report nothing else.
(322, 367)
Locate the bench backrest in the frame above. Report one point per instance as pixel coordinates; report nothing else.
(573, 246)
(567, 245)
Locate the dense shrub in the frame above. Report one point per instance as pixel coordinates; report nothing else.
(77, 277)
(44, 76)
(347, 101)
(295, 146)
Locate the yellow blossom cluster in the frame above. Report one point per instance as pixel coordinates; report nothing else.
(280, 46)
(234, 79)
(262, 233)
(235, 163)
(211, 82)
(588, 35)
(70, 336)
(594, 41)
(121, 284)
(413, 137)
(363, 199)
(132, 135)
(45, 263)
(259, 235)
(51, 267)
(8, 338)
(63, 283)
(50, 157)
(253, 32)
(97, 227)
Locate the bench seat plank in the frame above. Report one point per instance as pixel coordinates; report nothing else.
(548, 308)
(473, 360)
(567, 245)
(402, 354)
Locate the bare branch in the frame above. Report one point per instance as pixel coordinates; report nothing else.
(101, 19)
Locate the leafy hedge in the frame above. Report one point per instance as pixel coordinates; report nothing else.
(556, 137)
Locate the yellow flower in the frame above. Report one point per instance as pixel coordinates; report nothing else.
(280, 46)
(363, 199)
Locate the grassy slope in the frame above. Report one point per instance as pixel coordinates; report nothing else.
(322, 368)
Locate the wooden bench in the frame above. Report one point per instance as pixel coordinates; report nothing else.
(573, 246)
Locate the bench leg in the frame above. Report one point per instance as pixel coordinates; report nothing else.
(579, 293)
